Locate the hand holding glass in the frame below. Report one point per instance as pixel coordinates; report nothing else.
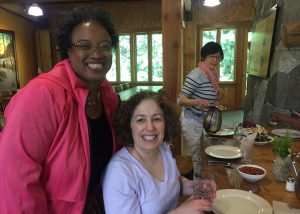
(203, 185)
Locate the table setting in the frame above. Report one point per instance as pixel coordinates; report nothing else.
(227, 151)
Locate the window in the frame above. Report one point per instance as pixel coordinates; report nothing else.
(227, 39)
(138, 58)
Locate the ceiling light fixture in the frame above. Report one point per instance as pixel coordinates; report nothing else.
(211, 3)
(35, 10)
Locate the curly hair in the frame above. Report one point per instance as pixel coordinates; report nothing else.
(125, 113)
(77, 16)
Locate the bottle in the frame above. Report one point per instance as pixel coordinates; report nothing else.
(290, 184)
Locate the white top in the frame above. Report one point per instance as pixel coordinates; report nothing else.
(129, 188)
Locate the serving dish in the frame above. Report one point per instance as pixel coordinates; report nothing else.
(251, 173)
(260, 142)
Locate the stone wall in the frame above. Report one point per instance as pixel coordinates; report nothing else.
(280, 90)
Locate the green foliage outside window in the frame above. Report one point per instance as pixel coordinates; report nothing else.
(157, 66)
(227, 41)
(145, 70)
(228, 45)
(142, 57)
(125, 66)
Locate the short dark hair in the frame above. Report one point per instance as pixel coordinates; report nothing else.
(125, 113)
(74, 18)
(211, 48)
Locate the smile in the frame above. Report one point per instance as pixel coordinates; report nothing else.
(151, 137)
(95, 66)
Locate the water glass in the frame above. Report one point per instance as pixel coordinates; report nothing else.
(203, 185)
(238, 131)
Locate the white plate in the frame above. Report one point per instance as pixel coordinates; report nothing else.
(260, 143)
(234, 201)
(223, 132)
(282, 133)
(223, 151)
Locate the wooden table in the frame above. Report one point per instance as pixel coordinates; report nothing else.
(226, 178)
(126, 94)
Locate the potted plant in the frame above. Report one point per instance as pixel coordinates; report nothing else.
(282, 166)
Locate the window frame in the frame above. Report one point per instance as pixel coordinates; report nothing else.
(200, 30)
(133, 59)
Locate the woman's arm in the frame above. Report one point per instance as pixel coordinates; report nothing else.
(286, 119)
(24, 144)
(184, 101)
(192, 205)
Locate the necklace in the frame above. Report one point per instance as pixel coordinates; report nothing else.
(93, 100)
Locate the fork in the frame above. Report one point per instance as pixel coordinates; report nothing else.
(224, 163)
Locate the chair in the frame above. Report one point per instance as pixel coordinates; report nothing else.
(126, 85)
(3, 103)
(118, 88)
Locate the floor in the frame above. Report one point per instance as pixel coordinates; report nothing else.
(228, 118)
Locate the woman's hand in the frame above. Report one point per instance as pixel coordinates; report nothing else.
(201, 103)
(186, 186)
(192, 205)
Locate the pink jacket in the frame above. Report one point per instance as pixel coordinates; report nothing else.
(44, 146)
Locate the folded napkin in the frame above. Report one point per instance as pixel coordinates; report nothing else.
(246, 146)
(283, 208)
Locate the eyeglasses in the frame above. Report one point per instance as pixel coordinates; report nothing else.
(88, 47)
(213, 57)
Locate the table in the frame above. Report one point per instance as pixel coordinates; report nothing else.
(226, 178)
(126, 94)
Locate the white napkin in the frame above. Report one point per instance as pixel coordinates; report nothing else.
(247, 145)
(283, 208)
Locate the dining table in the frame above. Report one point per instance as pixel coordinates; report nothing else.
(126, 94)
(227, 176)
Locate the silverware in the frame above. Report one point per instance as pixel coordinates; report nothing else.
(224, 163)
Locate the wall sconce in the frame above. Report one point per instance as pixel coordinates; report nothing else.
(35, 10)
(211, 3)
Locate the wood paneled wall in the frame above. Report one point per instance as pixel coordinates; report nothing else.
(130, 16)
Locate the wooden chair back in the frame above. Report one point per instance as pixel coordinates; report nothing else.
(3, 103)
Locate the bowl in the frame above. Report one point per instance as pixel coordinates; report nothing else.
(251, 173)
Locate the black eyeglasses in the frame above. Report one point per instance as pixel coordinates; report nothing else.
(214, 57)
(89, 48)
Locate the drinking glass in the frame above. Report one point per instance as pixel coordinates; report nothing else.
(203, 185)
(238, 131)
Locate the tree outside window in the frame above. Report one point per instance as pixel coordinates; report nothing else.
(227, 41)
(138, 58)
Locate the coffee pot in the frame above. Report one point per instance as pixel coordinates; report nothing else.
(213, 118)
(294, 156)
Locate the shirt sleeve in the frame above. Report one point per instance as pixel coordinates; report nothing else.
(119, 190)
(190, 84)
(24, 144)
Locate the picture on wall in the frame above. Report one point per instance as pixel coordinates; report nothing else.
(8, 65)
(261, 45)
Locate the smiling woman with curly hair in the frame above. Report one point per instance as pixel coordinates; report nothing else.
(143, 177)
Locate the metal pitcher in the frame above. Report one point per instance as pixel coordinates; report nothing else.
(213, 119)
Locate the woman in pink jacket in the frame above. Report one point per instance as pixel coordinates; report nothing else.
(58, 135)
